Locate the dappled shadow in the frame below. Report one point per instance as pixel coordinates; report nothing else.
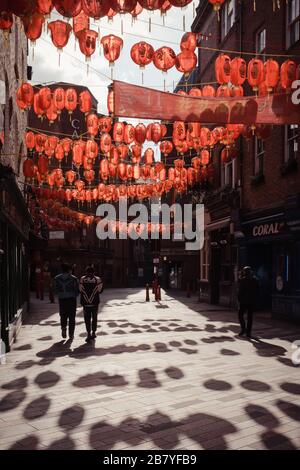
(229, 352)
(66, 443)
(27, 443)
(71, 417)
(274, 440)
(262, 416)
(100, 378)
(16, 384)
(264, 349)
(255, 386)
(12, 400)
(24, 347)
(37, 408)
(218, 385)
(47, 379)
(292, 388)
(148, 379)
(174, 373)
(290, 409)
(25, 364)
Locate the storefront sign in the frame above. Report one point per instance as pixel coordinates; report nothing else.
(267, 229)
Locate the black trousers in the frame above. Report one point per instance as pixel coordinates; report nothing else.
(90, 318)
(245, 308)
(67, 311)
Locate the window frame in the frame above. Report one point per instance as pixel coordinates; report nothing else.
(225, 17)
(205, 260)
(259, 157)
(291, 23)
(294, 138)
(261, 51)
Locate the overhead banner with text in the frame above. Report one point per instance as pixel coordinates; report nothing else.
(134, 101)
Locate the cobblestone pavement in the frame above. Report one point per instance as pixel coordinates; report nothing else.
(168, 375)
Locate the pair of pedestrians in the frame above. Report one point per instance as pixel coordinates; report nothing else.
(67, 288)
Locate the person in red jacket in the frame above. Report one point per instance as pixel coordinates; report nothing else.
(90, 288)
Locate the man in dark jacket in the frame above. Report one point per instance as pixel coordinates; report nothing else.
(90, 289)
(247, 297)
(67, 290)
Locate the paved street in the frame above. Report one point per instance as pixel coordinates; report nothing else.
(172, 375)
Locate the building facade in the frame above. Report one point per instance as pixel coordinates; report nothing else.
(15, 220)
(253, 213)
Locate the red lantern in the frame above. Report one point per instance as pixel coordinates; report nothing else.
(80, 23)
(272, 74)
(71, 100)
(142, 53)
(44, 99)
(110, 102)
(149, 156)
(136, 11)
(51, 113)
(288, 74)
(166, 147)
(195, 92)
(122, 151)
(114, 155)
(68, 8)
(118, 132)
(53, 141)
(123, 6)
(33, 25)
(256, 74)
(236, 91)
(122, 171)
(59, 153)
(112, 46)
(205, 157)
(87, 42)
(154, 132)
(77, 154)
(89, 176)
(60, 33)
(186, 61)
(164, 8)
(43, 165)
(140, 134)
(223, 69)
(104, 169)
(208, 91)
(238, 72)
(44, 6)
(6, 22)
(136, 172)
(151, 4)
(91, 149)
(59, 99)
(40, 140)
(188, 42)
(179, 131)
(85, 102)
(164, 58)
(105, 143)
(136, 151)
(223, 92)
(95, 8)
(28, 169)
(105, 124)
(25, 96)
(129, 134)
(216, 4)
(30, 140)
(205, 136)
(70, 175)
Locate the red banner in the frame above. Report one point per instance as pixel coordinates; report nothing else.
(134, 101)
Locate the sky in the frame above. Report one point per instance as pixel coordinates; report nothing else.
(73, 68)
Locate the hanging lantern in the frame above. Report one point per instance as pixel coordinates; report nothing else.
(118, 132)
(223, 92)
(122, 171)
(112, 46)
(51, 113)
(140, 134)
(91, 149)
(136, 172)
(105, 124)
(142, 53)
(205, 157)
(92, 125)
(53, 141)
(60, 33)
(30, 140)
(129, 134)
(71, 100)
(205, 136)
(67, 8)
(6, 22)
(181, 146)
(33, 25)
(166, 147)
(87, 42)
(44, 7)
(105, 143)
(154, 132)
(151, 5)
(238, 71)
(95, 8)
(43, 165)
(104, 169)
(195, 92)
(185, 62)
(40, 140)
(123, 151)
(25, 96)
(223, 69)
(149, 156)
(188, 42)
(164, 58)
(59, 153)
(28, 169)
(80, 23)
(45, 99)
(216, 4)
(110, 15)
(77, 152)
(208, 91)
(59, 99)
(85, 102)
(236, 91)
(67, 145)
(288, 74)
(114, 156)
(272, 74)
(164, 9)
(89, 176)
(88, 163)
(179, 131)
(136, 151)
(256, 74)
(136, 12)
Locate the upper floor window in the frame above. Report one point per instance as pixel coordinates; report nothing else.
(229, 174)
(261, 41)
(228, 17)
(293, 22)
(259, 156)
(291, 142)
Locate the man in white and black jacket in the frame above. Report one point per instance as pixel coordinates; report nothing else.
(90, 288)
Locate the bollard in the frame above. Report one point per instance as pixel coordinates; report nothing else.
(188, 293)
(147, 293)
(158, 293)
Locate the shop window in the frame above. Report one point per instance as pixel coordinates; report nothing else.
(293, 22)
(259, 156)
(227, 17)
(261, 42)
(291, 142)
(205, 261)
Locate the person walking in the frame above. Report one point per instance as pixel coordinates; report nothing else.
(67, 290)
(247, 297)
(90, 288)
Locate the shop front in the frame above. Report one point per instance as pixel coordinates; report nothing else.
(271, 246)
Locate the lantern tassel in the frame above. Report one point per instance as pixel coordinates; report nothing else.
(183, 22)
(149, 24)
(122, 26)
